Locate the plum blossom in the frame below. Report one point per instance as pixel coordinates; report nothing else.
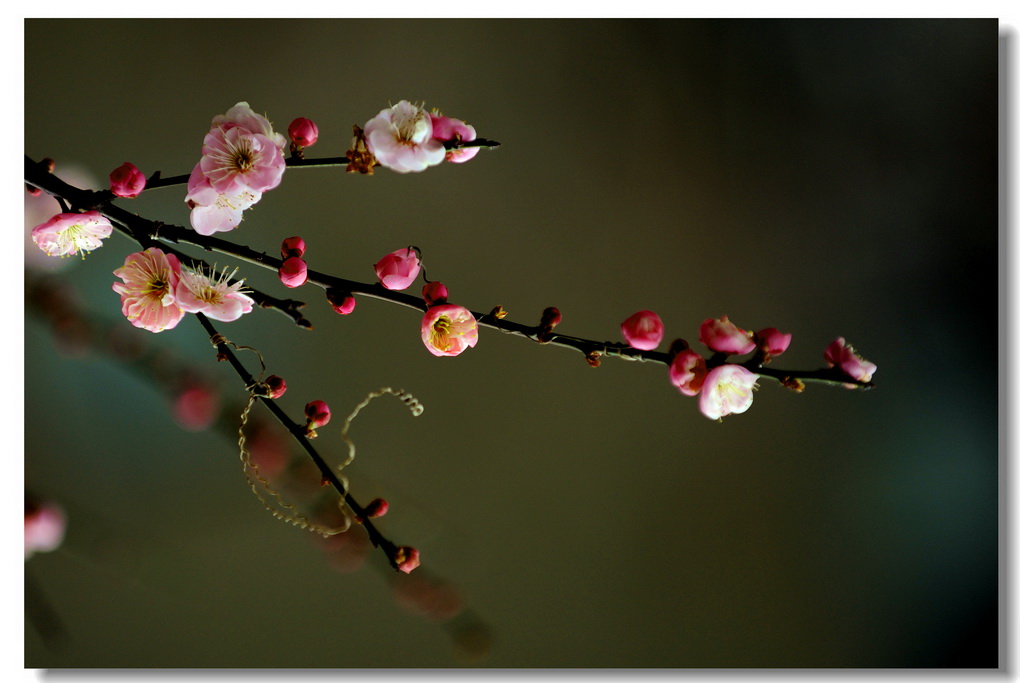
(643, 330)
(727, 390)
(235, 159)
(400, 138)
(719, 334)
(446, 128)
(317, 414)
(407, 559)
(211, 295)
(772, 341)
(293, 272)
(399, 269)
(448, 329)
(213, 211)
(45, 524)
(242, 157)
(147, 293)
(127, 181)
(68, 233)
(435, 293)
(292, 246)
(687, 372)
(842, 354)
(303, 132)
(342, 302)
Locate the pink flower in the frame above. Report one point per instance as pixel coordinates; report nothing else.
(727, 390)
(211, 295)
(127, 181)
(236, 159)
(407, 559)
(293, 272)
(842, 354)
(772, 341)
(445, 128)
(341, 301)
(687, 372)
(68, 233)
(643, 330)
(147, 293)
(303, 132)
(719, 334)
(241, 115)
(292, 246)
(448, 329)
(213, 211)
(435, 293)
(45, 525)
(276, 385)
(317, 415)
(398, 269)
(377, 508)
(196, 408)
(401, 139)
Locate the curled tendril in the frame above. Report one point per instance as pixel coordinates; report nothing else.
(251, 470)
(411, 402)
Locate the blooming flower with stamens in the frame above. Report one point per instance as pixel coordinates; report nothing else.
(400, 138)
(727, 390)
(448, 329)
(211, 295)
(68, 233)
(147, 293)
(234, 159)
(213, 211)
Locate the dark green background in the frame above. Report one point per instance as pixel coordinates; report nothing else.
(833, 178)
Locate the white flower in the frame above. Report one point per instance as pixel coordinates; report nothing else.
(210, 294)
(401, 139)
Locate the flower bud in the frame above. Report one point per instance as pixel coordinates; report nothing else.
(294, 272)
(719, 334)
(643, 330)
(341, 301)
(407, 559)
(435, 293)
(377, 508)
(303, 132)
(276, 386)
(317, 414)
(292, 246)
(772, 341)
(398, 270)
(127, 181)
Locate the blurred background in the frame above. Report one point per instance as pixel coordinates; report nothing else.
(829, 178)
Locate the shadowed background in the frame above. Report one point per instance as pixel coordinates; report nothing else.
(830, 179)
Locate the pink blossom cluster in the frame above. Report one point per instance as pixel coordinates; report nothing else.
(446, 329)
(405, 138)
(157, 291)
(728, 388)
(242, 157)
